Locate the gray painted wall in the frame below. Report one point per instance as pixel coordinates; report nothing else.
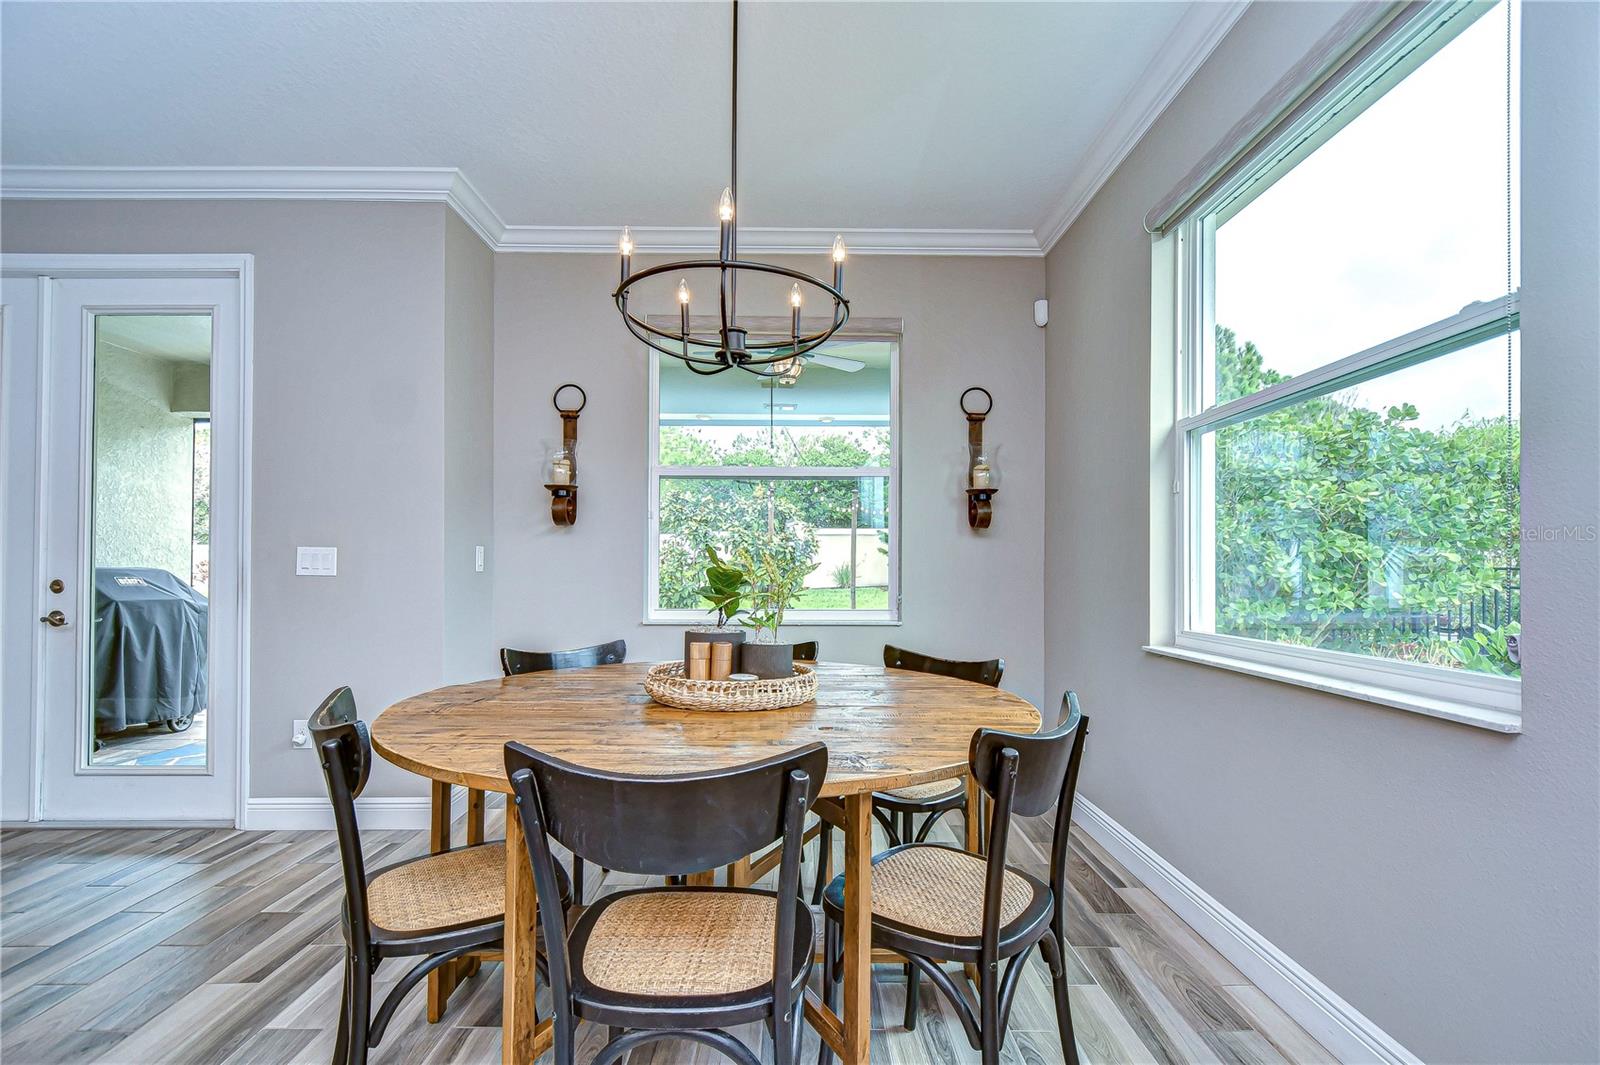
(143, 465)
(968, 321)
(1441, 878)
(469, 651)
(349, 421)
(375, 327)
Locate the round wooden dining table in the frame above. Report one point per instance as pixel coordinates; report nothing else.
(884, 728)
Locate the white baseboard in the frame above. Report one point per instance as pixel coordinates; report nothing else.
(304, 814)
(1340, 1027)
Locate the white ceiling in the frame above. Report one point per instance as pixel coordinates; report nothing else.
(890, 116)
(173, 337)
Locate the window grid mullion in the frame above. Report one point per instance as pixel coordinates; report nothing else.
(1477, 322)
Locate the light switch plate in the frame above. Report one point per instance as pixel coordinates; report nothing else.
(316, 561)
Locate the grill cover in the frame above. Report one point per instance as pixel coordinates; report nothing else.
(149, 648)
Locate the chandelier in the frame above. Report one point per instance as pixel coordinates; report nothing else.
(729, 346)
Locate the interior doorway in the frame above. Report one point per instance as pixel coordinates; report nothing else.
(138, 536)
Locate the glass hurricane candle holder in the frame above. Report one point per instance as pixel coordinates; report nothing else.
(561, 463)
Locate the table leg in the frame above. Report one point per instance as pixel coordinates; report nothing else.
(975, 797)
(974, 815)
(442, 980)
(475, 812)
(519, 1024)
(857, 930)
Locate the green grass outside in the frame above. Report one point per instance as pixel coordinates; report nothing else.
(839, 599)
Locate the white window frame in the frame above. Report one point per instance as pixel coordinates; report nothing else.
(655, 615)
(1480, 699)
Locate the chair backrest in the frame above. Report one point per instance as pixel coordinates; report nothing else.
(513, 661)
(806, 652)
(345, 749)
(683, 823)
(666, 824)
(987, 672)
(1027, 775)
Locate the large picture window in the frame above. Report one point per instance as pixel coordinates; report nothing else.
(1347, 430)
(805, 470)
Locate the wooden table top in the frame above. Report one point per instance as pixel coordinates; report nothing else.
(885, 728)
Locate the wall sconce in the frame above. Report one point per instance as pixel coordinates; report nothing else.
(561, 471)
(983, 473)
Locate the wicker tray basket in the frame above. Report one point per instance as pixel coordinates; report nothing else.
(667, 684)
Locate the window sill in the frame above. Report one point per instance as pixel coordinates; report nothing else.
(1446, 710)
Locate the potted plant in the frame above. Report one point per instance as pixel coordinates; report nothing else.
(725, 589)
(775, 576)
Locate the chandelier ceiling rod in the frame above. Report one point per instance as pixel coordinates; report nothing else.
(732, 346)
(730, 306)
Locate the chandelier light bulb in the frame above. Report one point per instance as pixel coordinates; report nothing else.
(725, 206)
(838, 248)
(626, 244)
(794, 295)
(683, 291)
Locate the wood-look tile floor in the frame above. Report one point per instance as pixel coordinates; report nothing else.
(217, 946)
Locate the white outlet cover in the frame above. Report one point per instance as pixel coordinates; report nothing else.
(316, 561)
(301, 736)
(477, 558)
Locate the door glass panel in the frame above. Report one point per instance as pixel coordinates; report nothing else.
(149, 541)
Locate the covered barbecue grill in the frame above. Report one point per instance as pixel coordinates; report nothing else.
(149, 650)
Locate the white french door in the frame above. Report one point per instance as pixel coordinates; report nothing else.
(138, 544)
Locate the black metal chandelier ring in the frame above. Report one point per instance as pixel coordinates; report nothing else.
(781, 348)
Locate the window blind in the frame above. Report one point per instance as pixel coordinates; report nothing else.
(1370, 48)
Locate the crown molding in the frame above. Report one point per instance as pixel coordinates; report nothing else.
(1185, 49)
(448, 185)
(405, 184)
(773, 240)
(1190, 44)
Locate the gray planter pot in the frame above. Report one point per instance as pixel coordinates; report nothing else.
(769, 661)
(733, 636)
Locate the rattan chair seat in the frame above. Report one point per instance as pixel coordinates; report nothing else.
(935, 789)
(447, 890)
(681, 943)
(940, 890)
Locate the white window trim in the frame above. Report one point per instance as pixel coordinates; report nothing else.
(654, 615)
(1478, 699)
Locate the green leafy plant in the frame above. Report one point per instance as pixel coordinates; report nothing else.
(1491, 650)
(1351, 528)
(725, 587)
(777, 572)
(841, 575)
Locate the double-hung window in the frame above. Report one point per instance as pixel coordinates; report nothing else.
(1346, 432)
(803, 469)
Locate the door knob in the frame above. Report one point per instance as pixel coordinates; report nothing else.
(55, 619)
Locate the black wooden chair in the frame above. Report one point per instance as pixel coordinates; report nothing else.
(442, 906)
(933, 904)
(806, 652)
(673, 962)
(896, 810)
(513, 662)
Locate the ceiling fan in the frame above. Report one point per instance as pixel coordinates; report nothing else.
(794, 369)
(822, 358)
